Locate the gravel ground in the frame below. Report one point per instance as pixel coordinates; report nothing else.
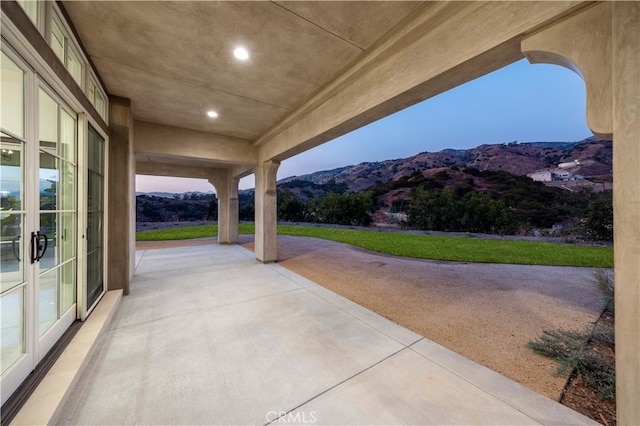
(485, 312)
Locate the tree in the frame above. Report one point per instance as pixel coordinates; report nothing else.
(212, 210)
(598, 221)
(290, 207)
(484, 214)
(434, 210)
(446, 211)
(343, 209)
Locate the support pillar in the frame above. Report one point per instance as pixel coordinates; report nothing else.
(266, 205)
(227, 193)
(121, 196)
(626, 206)
(601, 44)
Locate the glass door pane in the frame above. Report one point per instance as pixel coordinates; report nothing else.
(12, 252)
(13, 93)
(48, 300)
(13, 272)
(12, 317)
(95, 217)
(48, 186)
(56, 238)
(11, 213)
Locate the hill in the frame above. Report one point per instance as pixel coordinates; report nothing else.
(173, 194)
(593, 154)
(484, 189)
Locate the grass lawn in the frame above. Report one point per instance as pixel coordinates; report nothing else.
(461, 249)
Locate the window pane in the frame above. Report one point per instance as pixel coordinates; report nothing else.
(67, 236)
(99, 104)
(12, 338)
(68, 285)
(57, 40)
(66, 190)
(31, 9)
(49, 181)
(48, 121)
(74, 65)
(49, 223)
(13, 251)
(11, 175)
(48, 300)
(12, 94)
(67, 136)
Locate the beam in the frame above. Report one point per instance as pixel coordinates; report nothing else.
(155, 139)
(442, 45)
(178, 170)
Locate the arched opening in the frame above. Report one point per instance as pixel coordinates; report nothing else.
(168, 202)
(485, 312)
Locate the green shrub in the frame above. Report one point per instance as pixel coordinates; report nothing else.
(572, 351)
(604, 283)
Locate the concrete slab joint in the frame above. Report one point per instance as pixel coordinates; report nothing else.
(266, 211)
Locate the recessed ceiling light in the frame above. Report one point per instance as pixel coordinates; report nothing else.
(212, 114)
(241, 53)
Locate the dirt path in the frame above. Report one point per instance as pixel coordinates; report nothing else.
(485, 312)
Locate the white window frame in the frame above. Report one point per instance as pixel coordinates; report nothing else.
(70, 43)
(40, 13)
(92, 79)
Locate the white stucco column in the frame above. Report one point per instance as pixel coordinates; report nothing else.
(626, 206)
(121, 196)
(601, 44)
(227, 193)
(266, 205)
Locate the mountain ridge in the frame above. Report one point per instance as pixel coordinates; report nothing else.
(593, 154)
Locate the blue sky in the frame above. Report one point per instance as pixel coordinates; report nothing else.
(520, 102)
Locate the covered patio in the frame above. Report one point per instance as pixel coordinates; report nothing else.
(222, 335)
(208, 335)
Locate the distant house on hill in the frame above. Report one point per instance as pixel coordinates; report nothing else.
(562, 175)
(551, 175)
(541, 176)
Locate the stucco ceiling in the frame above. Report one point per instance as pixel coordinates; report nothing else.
(174, 59)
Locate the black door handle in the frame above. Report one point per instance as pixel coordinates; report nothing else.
(34, 244)
(16, 252)
(40, 247)
(38, 250)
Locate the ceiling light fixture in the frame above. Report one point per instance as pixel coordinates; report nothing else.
(241, 53)
(212, 114)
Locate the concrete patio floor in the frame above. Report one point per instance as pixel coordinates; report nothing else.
(209, 335)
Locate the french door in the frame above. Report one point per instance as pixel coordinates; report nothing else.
(38, 220)
(95, 286)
